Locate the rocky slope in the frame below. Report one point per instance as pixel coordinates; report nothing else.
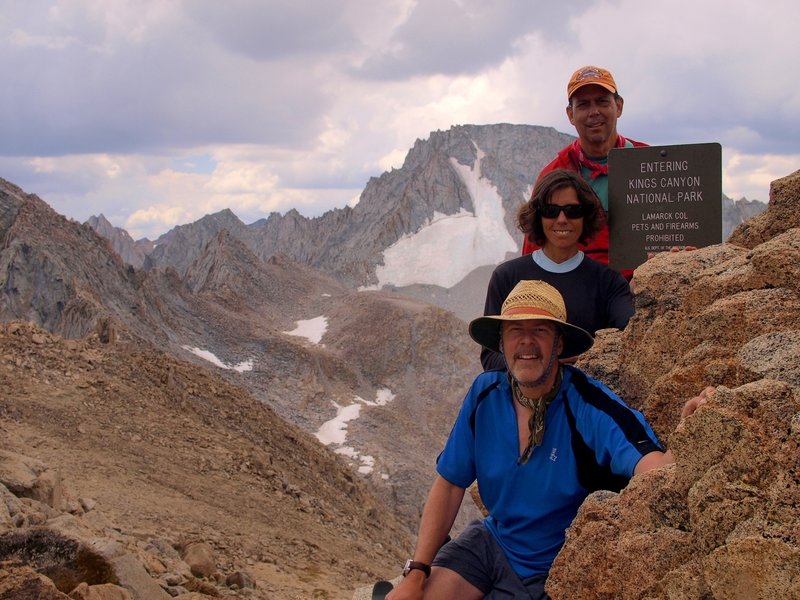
(65, 279)
(131, 252)
(161, 452)
(128, 457)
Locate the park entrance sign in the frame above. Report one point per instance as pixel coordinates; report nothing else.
(660, 197)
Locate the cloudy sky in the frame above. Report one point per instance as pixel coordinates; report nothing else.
(157, 112)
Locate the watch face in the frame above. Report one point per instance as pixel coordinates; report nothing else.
(407, 568)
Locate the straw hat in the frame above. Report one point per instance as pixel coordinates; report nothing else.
(532, 299)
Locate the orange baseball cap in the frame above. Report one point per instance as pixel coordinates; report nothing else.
(591, 75)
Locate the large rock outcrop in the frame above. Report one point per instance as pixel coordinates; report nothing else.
(722, 522)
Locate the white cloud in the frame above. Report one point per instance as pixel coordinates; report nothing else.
(339, 91)
(749, 176)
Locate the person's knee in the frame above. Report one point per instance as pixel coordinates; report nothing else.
(446, 584)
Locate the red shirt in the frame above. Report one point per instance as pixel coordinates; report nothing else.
(570, 158)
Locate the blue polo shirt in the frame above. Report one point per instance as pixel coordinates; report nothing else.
(531, 505)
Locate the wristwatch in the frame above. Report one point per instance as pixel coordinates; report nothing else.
(413, 564)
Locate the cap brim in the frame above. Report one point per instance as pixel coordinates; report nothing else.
(583, 84)
(486, 332)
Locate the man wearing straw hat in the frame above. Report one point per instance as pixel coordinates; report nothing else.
(538, 438)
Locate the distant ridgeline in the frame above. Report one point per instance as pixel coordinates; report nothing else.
(477, 173)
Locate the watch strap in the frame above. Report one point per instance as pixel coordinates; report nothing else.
(413, 564)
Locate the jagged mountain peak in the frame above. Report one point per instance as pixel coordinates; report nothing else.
(457, 172)
(250, 318)
(228, 270)
(224, 260)
(130, 251)
(55, 272)
(180, 245)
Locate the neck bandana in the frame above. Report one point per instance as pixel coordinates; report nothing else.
(538, 406)
(576, 153)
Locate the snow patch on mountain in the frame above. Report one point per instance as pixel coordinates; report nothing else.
(449, 247)
(246, 365)
(311, 329)
(334, 431)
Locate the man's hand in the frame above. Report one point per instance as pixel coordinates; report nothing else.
(410, 588)
(693, 404)
(656, 459)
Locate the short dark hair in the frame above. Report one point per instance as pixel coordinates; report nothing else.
(615, 95)
(529, 216)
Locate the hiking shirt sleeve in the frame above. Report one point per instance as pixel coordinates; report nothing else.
(619, 435)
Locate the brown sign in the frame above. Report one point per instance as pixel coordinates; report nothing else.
(660, 197)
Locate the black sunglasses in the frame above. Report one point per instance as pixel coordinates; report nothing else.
(571, 211)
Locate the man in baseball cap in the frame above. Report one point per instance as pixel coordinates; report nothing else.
(593, 106)
(591, 75)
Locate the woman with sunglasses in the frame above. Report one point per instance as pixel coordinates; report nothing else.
(563, 213)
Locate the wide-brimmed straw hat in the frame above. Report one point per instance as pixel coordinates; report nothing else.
(532, 299)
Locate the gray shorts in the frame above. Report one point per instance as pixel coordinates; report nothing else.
(476, 556)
